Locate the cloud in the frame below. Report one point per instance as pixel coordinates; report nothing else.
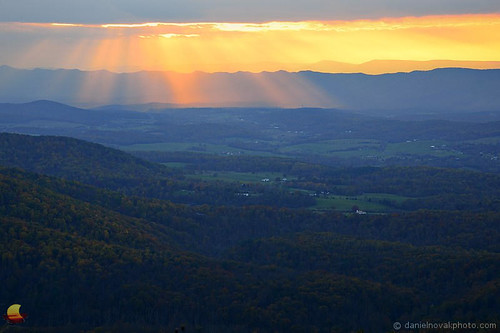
(173, 28)
(233, 46)
(132, 11)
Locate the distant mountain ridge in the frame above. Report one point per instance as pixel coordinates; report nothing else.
(395, 66)
(440, 90)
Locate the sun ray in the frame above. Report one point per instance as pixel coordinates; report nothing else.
(176, 48)
(208, 46)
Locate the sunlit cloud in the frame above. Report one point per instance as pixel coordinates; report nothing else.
(247, 46)
(441, 21)
(178, 35)
(66, 25)
(140, 25)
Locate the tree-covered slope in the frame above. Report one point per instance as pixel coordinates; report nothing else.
(79, 257)
(441, 276)
(75, 265)
(73, 159)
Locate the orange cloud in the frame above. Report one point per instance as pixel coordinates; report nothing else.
(223, 46)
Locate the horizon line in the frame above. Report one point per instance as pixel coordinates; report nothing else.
(457, 64)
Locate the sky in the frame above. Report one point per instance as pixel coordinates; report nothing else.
(227, 35)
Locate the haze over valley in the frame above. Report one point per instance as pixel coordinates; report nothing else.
(441, 90)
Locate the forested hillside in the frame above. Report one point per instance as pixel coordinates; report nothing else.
(198, 181)
(73, 159)
(120, 250)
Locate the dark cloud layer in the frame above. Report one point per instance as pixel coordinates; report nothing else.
(106, 11)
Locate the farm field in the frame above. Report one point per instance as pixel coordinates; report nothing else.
(367, 202)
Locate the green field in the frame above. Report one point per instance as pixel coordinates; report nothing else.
(488, 140)
(371, 148)
(345, 204)
(242, 177)
(180, 165)
(369, 202)
(207, 148)
(433, 147)
(334, 147)
(179, 146)
(364, 149)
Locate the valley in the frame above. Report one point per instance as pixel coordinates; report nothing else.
(246, 219)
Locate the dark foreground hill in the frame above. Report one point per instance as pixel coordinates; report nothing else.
(74, 265)
(82, 258)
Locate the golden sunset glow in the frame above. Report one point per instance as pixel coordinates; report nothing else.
(271, 46)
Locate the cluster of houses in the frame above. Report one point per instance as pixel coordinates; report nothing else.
(267, 180)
